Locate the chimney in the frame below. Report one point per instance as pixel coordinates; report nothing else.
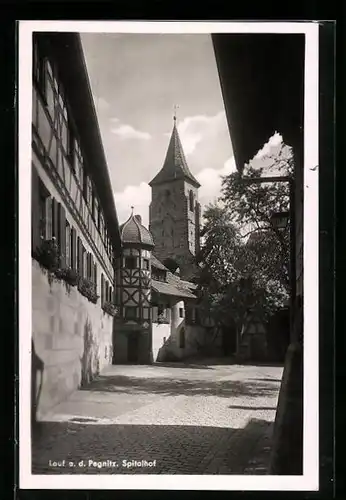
(138, 218)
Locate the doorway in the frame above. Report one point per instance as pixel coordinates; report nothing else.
(133, 347)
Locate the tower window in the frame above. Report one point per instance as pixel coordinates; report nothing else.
(145, 263)
(130, 262)
(191, 201)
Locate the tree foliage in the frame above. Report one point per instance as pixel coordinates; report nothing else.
(244, 258)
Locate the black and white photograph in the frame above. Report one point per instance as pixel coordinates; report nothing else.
(168, 255)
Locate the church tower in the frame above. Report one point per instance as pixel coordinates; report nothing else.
(174, 216)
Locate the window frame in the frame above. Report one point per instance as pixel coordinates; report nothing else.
(132, 259)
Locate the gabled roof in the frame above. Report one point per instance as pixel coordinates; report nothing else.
(175, 165)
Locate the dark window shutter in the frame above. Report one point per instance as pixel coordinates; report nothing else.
(102, 288)
(95, 276)
(84, 266)
(73, 248)
(89, 266)
(80, 258)
(62, 234)
(35, 210)
(55, 219)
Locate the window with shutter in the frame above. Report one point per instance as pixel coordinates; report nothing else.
(102, 289)
(79, 257)
(42, 214)
(68, 259)
(85, 263)
(55, 219)
(48, 217)
(35, 209)
(62, 233)
(73, 247)
(95, 276)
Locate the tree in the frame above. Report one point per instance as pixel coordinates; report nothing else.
(244, 258)
(251, 206)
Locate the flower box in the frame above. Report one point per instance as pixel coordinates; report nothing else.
(110, 309)
(48, 254)
(69, 275)
(88, 289)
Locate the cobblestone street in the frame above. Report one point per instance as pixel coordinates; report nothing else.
(163, 419)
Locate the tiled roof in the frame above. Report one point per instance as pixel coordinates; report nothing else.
(169, 289)
(175, 165)
(180, 284)
(132, 231)
(155, 262)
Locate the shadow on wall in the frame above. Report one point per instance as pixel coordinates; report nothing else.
(90, 364)
(172, 349)
(37, 368)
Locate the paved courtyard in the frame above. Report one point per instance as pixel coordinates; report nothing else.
(163, 419)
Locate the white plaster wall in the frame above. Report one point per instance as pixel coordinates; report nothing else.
(59, 322)
(160, 337)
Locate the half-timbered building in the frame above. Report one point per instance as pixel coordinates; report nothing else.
(159, 316)
(75, 231)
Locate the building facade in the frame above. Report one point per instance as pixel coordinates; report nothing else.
(174, 215)
(159, 314)
(75, 231)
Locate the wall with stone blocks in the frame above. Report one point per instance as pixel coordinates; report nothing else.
(72, 339)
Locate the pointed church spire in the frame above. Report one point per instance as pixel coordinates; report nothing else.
(175, 165)
(175, 113)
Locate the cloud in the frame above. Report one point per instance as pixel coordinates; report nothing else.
(101, 104)
(138, 196)
(129, 132)
(195, 129)
(274, 141)
(210, 180)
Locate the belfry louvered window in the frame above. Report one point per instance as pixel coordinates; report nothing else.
(191, 201)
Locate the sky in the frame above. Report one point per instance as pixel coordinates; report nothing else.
(136, 80)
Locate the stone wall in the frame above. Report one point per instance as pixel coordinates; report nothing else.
(72, 340)
(173, 224)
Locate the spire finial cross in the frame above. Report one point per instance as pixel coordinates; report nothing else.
(132, 208)
(175, 112)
